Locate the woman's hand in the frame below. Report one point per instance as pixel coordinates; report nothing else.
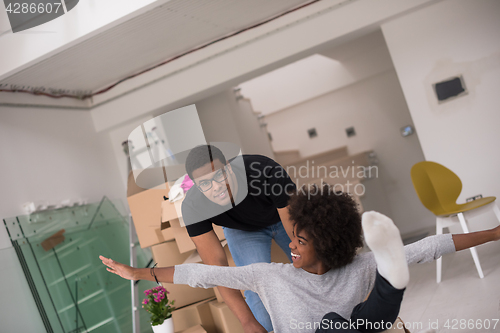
(122, 270)
(496, 233)
(466, 241)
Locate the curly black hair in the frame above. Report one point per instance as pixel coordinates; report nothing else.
(201, 155)
(331, 219)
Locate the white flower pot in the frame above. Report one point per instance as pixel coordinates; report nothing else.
(166, 327)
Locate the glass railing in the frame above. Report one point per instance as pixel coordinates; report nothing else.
(58, 251)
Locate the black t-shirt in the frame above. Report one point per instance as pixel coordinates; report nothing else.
(268, 187)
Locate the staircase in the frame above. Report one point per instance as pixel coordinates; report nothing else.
(335, 167)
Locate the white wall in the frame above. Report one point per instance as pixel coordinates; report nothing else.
(254, 137)
(217, 120)
(18, 311)
(319, 74)
(377, 110)
(446, 39)
(47, 155)
(117, 136)
(53, 155)
(224, 119)
(304, 79)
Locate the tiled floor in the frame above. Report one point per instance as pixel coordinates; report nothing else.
(461, 295)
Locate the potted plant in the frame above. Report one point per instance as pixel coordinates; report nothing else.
(160, 308)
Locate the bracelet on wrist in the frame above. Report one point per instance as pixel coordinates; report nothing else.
(152, 272)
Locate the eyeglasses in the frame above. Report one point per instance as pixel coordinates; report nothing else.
(219, 177)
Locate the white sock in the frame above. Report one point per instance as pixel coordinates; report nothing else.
(383, 238)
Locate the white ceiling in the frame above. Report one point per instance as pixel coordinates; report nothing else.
(146, 40)
(313, 76)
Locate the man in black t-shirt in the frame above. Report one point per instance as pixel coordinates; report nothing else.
(248, 197)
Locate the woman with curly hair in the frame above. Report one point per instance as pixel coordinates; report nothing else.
(327, 274)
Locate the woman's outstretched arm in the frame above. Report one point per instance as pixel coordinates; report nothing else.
(163, 274)
(433, 247)
(195, 275)
(465, 241)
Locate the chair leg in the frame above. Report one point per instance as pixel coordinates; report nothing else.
(496, 211)
(472, 249)
(439, 261)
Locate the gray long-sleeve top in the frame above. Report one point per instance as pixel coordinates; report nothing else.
(297, 300)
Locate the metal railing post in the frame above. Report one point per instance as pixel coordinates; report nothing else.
(136, 326)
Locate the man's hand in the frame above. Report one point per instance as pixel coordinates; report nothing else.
(117, 268)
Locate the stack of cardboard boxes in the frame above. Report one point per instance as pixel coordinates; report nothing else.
(197, 309)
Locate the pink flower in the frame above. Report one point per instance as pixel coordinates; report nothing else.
(145, 301)
(160, 289)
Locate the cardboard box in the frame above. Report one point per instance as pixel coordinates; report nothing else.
(224, 319)
(145, 207)
(195, 329)
(219, 232)
(194, 258)
(184, 242)
(167, 254)
(277, 255)
(182, 237)
(218, 295)
(171, 210)
(195, 314)
(167, 234)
